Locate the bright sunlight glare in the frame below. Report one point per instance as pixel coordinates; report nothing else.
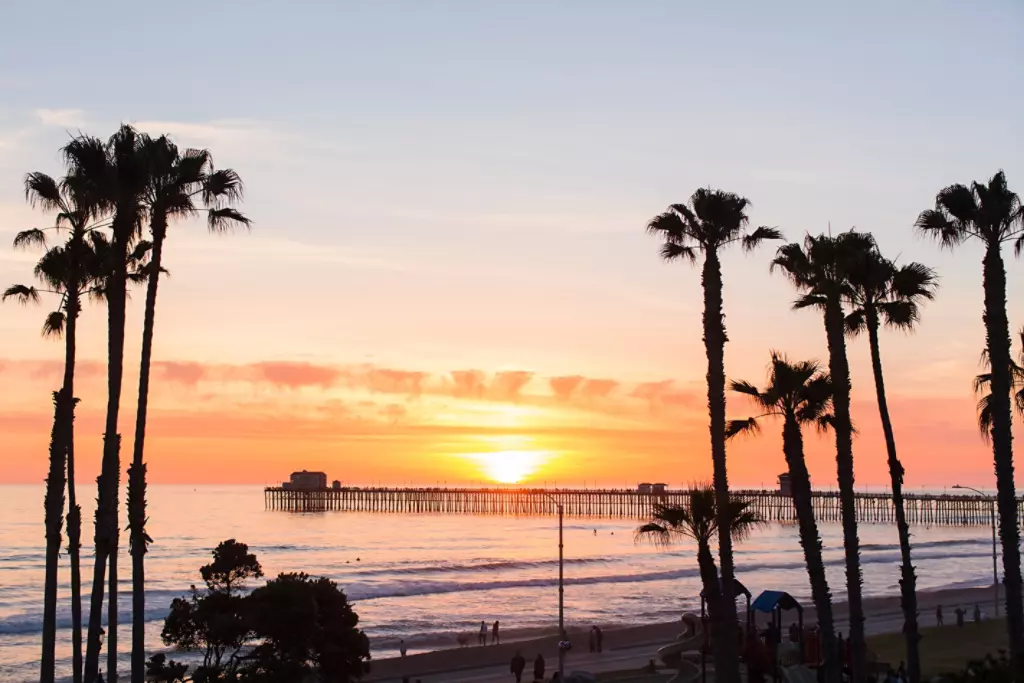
(510, 466)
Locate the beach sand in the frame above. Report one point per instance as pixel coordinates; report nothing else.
(628, 646)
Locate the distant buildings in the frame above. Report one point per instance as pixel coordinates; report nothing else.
(657, 489)
(785, 487)
(306, 481)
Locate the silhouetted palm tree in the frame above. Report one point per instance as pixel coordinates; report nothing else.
(992, 214)
(68, 271)
(712, 220)
(699, 521)
(885, 293)
(116, 175)
(175, 181)
(820, 269)
(983, 381)
(799, 393)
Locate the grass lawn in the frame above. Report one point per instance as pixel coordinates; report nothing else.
(945, 648)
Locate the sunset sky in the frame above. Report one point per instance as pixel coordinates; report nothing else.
(448, 278)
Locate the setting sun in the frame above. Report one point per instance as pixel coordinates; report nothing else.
(510, 467)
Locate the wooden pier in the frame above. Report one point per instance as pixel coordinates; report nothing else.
(927, 510)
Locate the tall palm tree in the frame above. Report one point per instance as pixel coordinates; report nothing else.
(68, 271)
(114, 173)
(175, 181)
(699, 521)
(801, 394)
(884, 293)
(983, 381)
(711, 221)
(992, 214)
(820, 270)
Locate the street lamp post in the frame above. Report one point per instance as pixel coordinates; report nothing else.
(995, 564)
(561, 591)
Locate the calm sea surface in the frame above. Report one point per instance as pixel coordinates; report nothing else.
(426, 578)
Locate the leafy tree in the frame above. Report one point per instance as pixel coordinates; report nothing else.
(709, 222)
(174, 181)
(216, 621)
(162, 670)
(820, 269)
(69, 271)
(993, 215)
(801, 394)
(308, 630)
(699, 521)
(884, 293)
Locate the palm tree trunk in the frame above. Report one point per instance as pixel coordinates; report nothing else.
(714, 346)
(74, 510)
(53, 506)
(137, 472)
(997, 333)
(839, 369)
(908, 581)
(713, 598)
(810, 541)
(108, 483)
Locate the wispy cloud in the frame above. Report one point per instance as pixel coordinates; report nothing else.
(62, 118)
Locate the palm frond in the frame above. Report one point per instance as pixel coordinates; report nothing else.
(856, 322)
(53, 325)
(43, 191)
(813, 300)
(221, 220)
(224, 186)
(30, 238)
(754, 239)
(22, 293)
(825, 423)
(985, 416)
(747, 427)
(654, 533)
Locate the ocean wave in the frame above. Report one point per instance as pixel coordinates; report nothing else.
(928, 544)
(479, 566)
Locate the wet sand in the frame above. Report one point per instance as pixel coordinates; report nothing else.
(883, 616)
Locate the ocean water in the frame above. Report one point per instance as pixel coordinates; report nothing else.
(426, 578)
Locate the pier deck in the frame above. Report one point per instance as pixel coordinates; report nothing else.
(929, 510)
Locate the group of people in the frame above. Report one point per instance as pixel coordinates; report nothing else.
(495, 633)
(518, 666)
(961, 614)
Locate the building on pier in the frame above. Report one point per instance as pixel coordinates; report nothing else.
(306, 481)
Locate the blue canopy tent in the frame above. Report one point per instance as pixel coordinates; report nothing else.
(774, 603)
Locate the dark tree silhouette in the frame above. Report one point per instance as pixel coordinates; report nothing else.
(712, 220)
(68, 271)
(820, 269)
(983, 381)
(699, 521)
(115, 177)
(801, 394)
(884, 293)
(992, 214)
(174, 182)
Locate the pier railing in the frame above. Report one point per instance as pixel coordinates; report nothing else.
(922, 509)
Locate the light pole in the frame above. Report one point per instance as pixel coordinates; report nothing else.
(561, 591)
(995, 566)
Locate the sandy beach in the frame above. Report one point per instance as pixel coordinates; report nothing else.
(632, 646)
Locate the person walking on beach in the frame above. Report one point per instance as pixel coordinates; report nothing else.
(538, 668)
(401, 647)
(483, 634)
(960, 612)
(592, 639)
(977, 613)
(938, 616)
(600, 638)
(518, 666)
(495, 636)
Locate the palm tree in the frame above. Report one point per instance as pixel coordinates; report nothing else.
(799, 393)
(116, 175)
(175, 181)
(699, 521)
(983, 381)
(820, 269)
(992, 214)
(69, 272)
(882, 292)
(712, 220)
